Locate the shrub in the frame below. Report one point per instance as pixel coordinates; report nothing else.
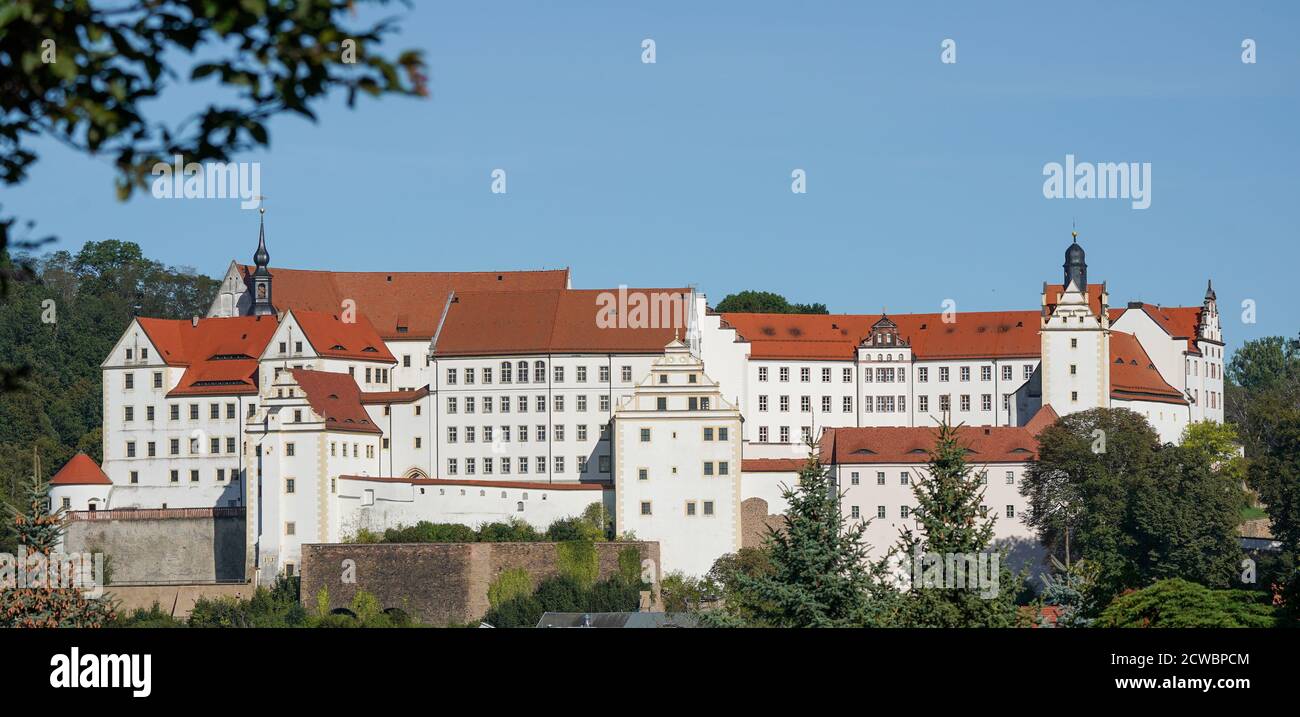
(510, 584)
(1179, 603)
(614, 595)
(523, 611)
(153, 617)
(561, 593)
(577, 560)
(515, 531)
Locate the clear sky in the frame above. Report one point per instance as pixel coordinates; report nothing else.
(924, 179)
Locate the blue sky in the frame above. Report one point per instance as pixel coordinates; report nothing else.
(924, 180)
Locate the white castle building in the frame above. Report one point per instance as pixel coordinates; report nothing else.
(327, 402)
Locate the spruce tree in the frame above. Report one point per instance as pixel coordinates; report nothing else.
(951, 522)
(821, 572)
(40, 530)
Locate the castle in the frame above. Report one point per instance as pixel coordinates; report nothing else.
(323, 403)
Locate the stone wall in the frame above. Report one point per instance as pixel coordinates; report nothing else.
(153, 546)
(437, 583)
(175, 600)
(756, 522)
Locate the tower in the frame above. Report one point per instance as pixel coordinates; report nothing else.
(1207, 323)
(1075, 334)
(261, 278)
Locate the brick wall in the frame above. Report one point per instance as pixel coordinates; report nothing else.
(437, 583)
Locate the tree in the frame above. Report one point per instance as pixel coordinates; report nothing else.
(1221, 447)
(1275, 476)
(49, 604)
(1137, 510)
(1181, 603)
(822, 574)
(953, 524)
(765, 302)
(89, 78)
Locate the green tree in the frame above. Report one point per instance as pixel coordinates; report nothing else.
(89, 76)
(765, 302)
(1136, 509)
(1181, 603)
(952, 522)
(822, 574)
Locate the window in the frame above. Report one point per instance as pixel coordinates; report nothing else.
(846, 376)
(1011, 511)
(945, 403)
(645, 507)
(965, 402)
(645, 435)
(194, 475)
(288, 449)
(785, 434)
(290, 485)
(582, 403)
(559, 464)
(541, 404)
(922, 374)
(880, 477)
(152, 449)
(708, 507)
(581, 374)
(539, 372)
(603, 374)
(854, 479)
(785, 373)
(148, 413)
(541, 464)
(1028, 371)
(986, 373)
(174, 448)
(805, 374)
(1074, 369)
(986, 402)
(1074, 343)
(826, 404)
(626, 373)
(708, 468)
(290, 528)
(130, 449)
(582, 431)
(722, 433)
(854, 513)
(129, 381)
(846, 405)
(708, 433)
(880, 511)
(965, 373)
(507, 372)
(762, 403)
(1011, 477)
(923, 403)
(943, 373)
(1006, 373)
(523, 404)
(130, 413)
(826, 375)
(214, 446)
(785, 403)
(762, 434)
(690, 508)
(194, 411)
(451, 404)
(762, 373)
(1074, 395)
(805, 404)
(487, 374)
(903, 512)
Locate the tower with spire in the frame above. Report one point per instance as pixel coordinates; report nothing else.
(1075, 338)
(261, 278)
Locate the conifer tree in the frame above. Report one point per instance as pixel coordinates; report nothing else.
(822, 574)
(954, 536)
(40, 530)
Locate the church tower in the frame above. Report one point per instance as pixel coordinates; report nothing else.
(261, 278)
(1075, 333)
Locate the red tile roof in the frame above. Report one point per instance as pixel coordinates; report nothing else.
(772, 465)
(835, 337)
(527, 485)
(220, 354)
(378, 397)
(1002, 444)
(1045, 417)
(1054, 291)
(1179, 322)
(1133, 376)
(401, 305)
(334, 338)
(336, 398)
(534, 322)
(81, 470)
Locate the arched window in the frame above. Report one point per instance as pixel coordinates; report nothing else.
(523, 372)
(539, 372)
(506, 372)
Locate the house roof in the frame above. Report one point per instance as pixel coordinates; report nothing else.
(220, 354)
(1133, 376)
(1179, 322)
(772, 465)
(976, 334)
(1052, 295)
(401, 305)
(1000, 444)
(378, 397)
(534, 322)
(81, 470)
(334, 338)
(336, 398)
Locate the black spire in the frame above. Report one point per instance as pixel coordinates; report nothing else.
(1076, 269)
(1209, 291)
(261, 278)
